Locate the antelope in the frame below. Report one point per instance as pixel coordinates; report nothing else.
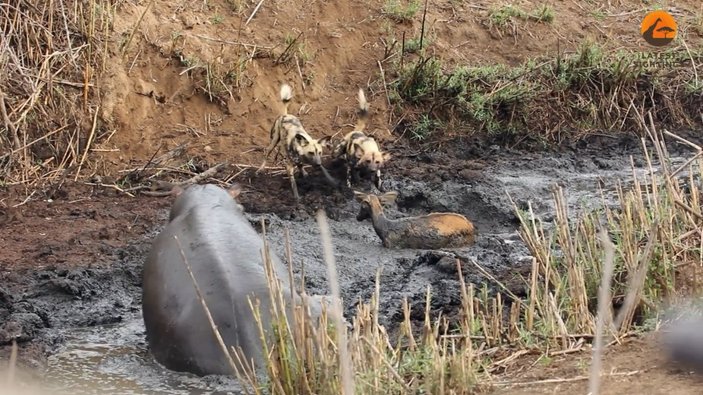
(293, 141)
(430, 231)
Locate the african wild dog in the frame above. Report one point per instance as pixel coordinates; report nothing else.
(294, 143)
(361, 152)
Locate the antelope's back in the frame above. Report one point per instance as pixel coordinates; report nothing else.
(448, 224)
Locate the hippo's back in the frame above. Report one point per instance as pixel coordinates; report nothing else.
(224, 253)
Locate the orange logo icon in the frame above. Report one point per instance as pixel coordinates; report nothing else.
(658, 28)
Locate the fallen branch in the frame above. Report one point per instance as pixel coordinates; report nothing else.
(254, 12)
(221, 342)
(567, 380)
(113, 186)
(193, 180)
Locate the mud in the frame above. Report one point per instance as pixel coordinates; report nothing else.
(85, 315)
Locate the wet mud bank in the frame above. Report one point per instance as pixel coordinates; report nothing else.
(87, 318)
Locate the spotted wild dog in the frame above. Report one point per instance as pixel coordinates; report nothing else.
(294, 143)
(359, 151)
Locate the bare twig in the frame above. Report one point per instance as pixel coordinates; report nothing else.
(193, 180)
(12, 364)
(87, 145)
(201, 298)
(604, 303)
(136, 27)
(8, 123)
(344, 359)
(254, 12)
(568, 380)
(53, 132)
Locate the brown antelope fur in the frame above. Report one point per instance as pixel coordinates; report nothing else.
(359, 151)
(431, 231)
(296, 145)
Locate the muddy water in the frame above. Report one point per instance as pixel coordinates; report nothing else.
(113, 359)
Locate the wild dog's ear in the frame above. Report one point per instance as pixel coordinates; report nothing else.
(388, 197)
(176, 190)
(386, 156)
(301, 140)
(234, 190)
(358, 151)
(326, 141)
(360, 196)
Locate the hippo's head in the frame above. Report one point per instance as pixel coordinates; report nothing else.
(196, 194)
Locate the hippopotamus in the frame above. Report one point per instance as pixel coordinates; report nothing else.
(682, 339)
(224, 253)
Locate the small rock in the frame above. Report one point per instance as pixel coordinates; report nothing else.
(469, 174)
(447, 264)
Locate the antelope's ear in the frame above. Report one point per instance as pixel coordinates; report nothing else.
(388, 197)
(235, 190)
(360, 196)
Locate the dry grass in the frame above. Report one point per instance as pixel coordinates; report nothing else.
(52, 57)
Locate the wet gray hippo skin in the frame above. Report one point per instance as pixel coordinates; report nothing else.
(683, 342)
(224, 253)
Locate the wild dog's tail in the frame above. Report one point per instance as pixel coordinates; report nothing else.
(286, 96)
(363, 112)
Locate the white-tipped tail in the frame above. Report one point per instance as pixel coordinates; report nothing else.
(286, 93)
(363, 114)
(363, 104)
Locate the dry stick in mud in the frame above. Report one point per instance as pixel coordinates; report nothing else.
(345, 363)
(91, 138)
(193, 180)
(9, 125)
(136, 26)
(12, 364)
(627, 311)
(254, 12)
(603, 304)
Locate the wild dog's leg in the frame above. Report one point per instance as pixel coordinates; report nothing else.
(349, 170)
(355, 175)
(378, 181)
(302, 170)
(275, 135)
(290, 168)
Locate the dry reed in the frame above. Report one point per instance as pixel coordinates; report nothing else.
(53, 54)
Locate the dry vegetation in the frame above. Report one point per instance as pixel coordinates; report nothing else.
(53, 54)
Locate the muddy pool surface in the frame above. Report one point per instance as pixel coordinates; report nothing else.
(70, 288)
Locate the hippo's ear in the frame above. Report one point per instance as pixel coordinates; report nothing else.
(176, 190)
(360, 196)
(388, 197)
(235, 190)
